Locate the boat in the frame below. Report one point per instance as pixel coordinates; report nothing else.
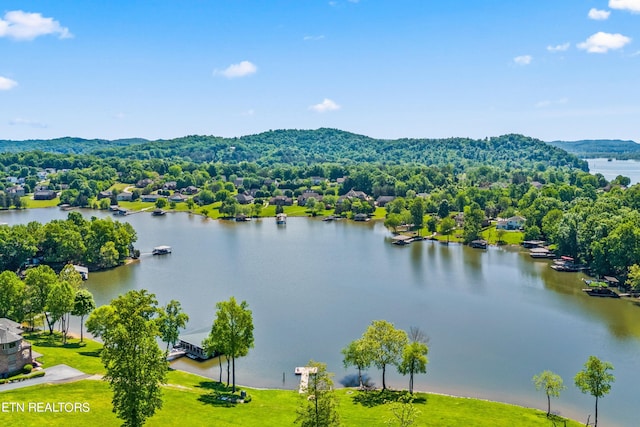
(541, 253)
(281, 219)
(479, 244)
(158, 212)
(161, 250)
(601, 292)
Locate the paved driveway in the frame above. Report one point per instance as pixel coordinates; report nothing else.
(54, 374)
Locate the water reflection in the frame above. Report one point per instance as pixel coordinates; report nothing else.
(495, 317)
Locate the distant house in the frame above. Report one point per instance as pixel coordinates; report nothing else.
(144, 182)
(459, 219)
(302, 199)
(353, 194)
(281, 201)
(341, 180)
(538, 185)
(316, 180)
(105, 194)
(170, 185)
(238, 182)
(125, 196)
(189, 190)
(42, 175)
(512, 223)
(15, 352)
(151, 197)
(45, 195)
(17, 190)
(244, 199)
(178, 198)
(383, 200)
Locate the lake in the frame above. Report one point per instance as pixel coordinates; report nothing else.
(494, 317)
(613, 168)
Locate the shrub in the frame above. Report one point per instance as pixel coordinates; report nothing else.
(27, 368)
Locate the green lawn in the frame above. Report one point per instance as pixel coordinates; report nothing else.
(191, 400)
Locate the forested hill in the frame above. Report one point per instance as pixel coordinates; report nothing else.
(609, 148)
(65, 145)
(306, 147)
(334, 146)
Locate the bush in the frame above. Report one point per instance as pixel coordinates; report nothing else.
(27, 368)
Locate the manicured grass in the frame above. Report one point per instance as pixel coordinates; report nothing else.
(84, 356)
(28, 202)
(490, 234)
(192, 400)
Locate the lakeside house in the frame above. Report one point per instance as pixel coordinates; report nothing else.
(45, 195)
(512, 223)
(15, 352)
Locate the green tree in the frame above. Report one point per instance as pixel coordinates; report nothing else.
(83, 304)
(385, 344)
(414, 361)
(233, 325)
(172, 319)
(98, 320)
(551, 384)
(473, 217)
(417, 207)
(356, 354)
(318, 407)
(447, 225)
(12, 296)
(39, 281)
(135, 365)
(633, 279)
(595, 379)
(161, 203)
(59, 304)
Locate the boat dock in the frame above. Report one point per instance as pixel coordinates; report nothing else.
(304, 372)
(161, 250)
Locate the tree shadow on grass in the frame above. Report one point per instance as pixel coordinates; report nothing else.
(219, 395)
(95, 353)
(373, 398)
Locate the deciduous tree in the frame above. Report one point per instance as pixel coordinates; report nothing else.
(595, 379)
(385, 344)
(551, 384)
(83, 304)
(135, 365)
(318, 406)
(172, 319)
(233, 326)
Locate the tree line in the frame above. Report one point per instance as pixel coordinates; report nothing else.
(95, 243)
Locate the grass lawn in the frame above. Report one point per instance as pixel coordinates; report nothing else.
(28, 202)
(490, 234)
(191, 400)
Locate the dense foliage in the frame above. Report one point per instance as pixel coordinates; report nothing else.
(599, 148)
(96, 243)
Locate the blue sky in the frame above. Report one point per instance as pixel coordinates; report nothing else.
(550, 69)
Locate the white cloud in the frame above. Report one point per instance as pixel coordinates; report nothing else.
(27, 122)
(598, 15)
(324, 106)
(313, 38)
(559, 48)
(244, 68)
(21, 25)
(630, 5)
(248, 113)
(549, 103)
(523, 59)
(603, 42)
(7, 84)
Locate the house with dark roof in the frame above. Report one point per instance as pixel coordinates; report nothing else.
(281, 201)
(15, 352)
(381, 201)
(302, 199)
(45, 195)
(244, 199)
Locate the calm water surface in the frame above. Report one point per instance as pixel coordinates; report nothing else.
(613, 168)
(495, 318)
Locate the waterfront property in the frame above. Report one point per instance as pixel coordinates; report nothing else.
(15, 352)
